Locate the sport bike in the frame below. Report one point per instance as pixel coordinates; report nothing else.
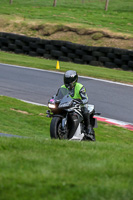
(67, 119)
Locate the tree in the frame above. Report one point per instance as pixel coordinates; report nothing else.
(106, 5)
(11, 1)
(54, 4)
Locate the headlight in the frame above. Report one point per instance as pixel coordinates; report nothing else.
(51, 105)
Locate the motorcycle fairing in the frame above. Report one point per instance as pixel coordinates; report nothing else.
(78, 134)
(73, 122)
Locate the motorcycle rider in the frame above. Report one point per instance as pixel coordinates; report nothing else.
(78, 91)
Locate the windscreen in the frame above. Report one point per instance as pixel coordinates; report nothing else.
(61, 93)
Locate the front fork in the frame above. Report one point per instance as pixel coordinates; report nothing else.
(64, 125)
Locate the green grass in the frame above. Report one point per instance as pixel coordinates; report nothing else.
(17, 123)
(87, 70)
(36, 167)
(91, 14)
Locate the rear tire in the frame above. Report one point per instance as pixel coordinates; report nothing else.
(90, 137)
(94, 138)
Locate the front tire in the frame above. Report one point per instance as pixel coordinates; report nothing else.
(55, 127)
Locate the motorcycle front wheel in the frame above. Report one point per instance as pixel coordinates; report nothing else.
(55, 129)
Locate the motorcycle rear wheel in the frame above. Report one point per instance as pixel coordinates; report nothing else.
(91, 138)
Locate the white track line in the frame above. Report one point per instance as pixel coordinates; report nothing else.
(56, 72)
(34, 103)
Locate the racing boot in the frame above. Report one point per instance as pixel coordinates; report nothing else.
(90, 134)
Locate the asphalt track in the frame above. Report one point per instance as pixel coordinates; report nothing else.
(113, 100)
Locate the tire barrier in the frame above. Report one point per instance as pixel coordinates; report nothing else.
(67, 51)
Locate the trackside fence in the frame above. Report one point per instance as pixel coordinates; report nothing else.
(67, 51)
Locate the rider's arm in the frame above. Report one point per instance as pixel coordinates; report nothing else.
(83, 95)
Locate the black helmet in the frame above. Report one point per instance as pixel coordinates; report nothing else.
(70, 78)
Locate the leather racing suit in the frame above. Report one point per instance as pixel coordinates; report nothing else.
(79, 92)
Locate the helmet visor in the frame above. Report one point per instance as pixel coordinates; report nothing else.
(68, 80)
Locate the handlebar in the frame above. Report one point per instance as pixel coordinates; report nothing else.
(77, 101)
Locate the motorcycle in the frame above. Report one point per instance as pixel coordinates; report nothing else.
(67, 119)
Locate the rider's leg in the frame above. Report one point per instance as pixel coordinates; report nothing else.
(88, 127)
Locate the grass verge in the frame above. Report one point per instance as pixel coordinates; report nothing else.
(82, 22)
(89, 14)
(86, 70)
(37, 167)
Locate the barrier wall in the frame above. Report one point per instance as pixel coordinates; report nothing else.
(67, 51)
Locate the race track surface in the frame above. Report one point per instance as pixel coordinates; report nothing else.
(113, 100)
